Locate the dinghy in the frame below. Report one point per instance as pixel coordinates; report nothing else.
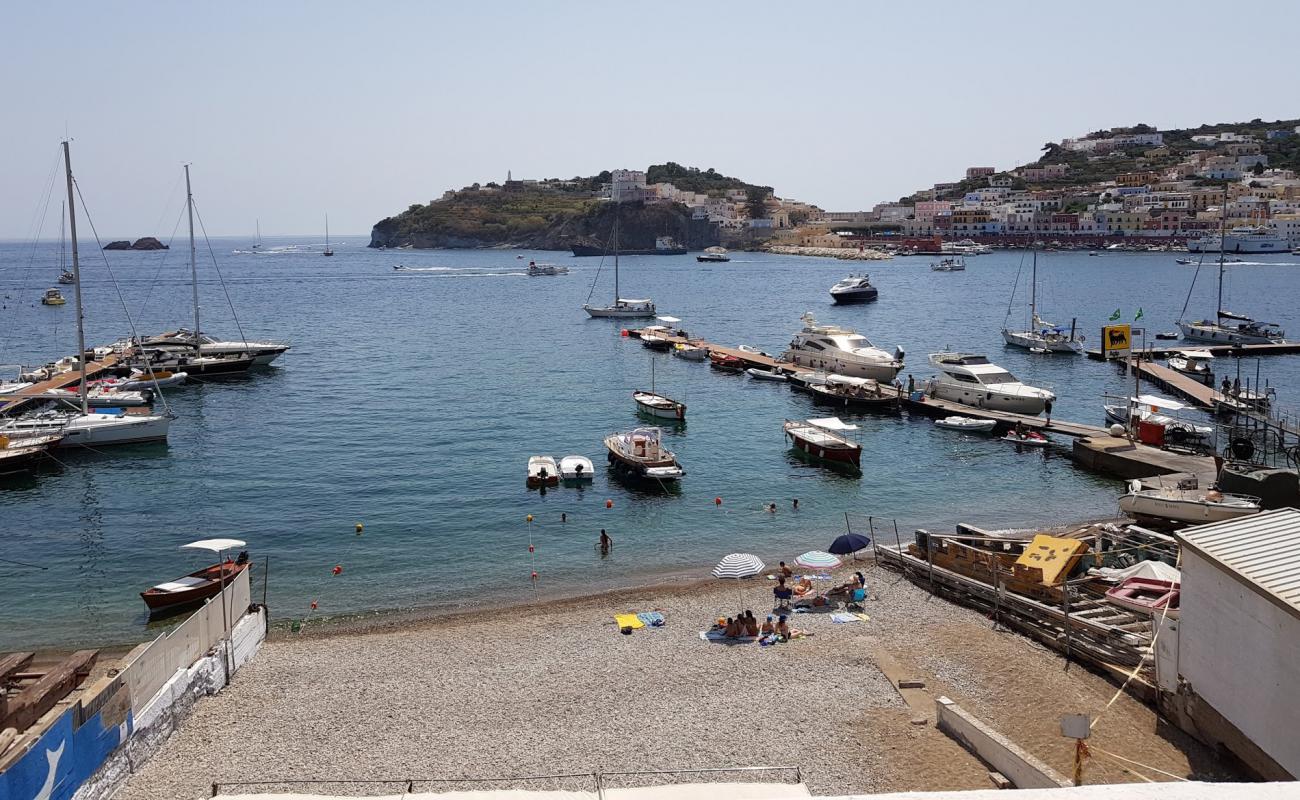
(766, 375)
(968, 424)
(542, 471)
(576, 469)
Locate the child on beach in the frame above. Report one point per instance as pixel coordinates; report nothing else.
(768, 628)
(751, 624)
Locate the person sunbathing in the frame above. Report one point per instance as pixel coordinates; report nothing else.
(751, 624)
(732, 630)
(856, 582)
(803, 587)
(782, 629)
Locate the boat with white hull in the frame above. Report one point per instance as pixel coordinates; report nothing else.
(576, 469)
(659, 407)
(1242, 239)
(1191, 506)
(262, 352)
(1227, 327)
(972, 380)
(1041, 335)
(623, 307)
(842, 351)
(641, 453)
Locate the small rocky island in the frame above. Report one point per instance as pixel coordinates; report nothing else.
(143, 243)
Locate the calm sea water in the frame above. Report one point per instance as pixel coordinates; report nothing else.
(411, 400)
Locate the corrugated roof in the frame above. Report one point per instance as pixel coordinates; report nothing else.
(1262, 549)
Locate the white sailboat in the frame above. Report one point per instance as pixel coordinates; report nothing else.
(1041, 334)
(623, 307)
(328, 250)
(65, 276)
(84, 427)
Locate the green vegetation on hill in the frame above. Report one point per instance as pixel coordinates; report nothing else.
(481, 217)
(693, 179)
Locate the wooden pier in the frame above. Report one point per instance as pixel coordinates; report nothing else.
(935, 407)
(11, 403)
(749, 359)
(1239, 350)
(1185, 386)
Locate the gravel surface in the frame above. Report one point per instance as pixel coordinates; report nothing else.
(556, 689)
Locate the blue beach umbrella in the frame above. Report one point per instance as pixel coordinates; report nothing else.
(849, 543)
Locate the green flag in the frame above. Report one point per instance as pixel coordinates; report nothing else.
(1139, 315)
(1114, 316)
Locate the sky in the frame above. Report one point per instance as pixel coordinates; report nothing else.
(289, 111)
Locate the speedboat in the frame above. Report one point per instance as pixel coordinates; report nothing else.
(842, 351)
(823, 438)
(850, 392)
(535, 269)
(658, 406)
(690, 352)
(951, 264)
(1194, 363)
(576, 469)
(640, 453)
(52, 297)
(542, 471)
(1168, 336)
(1192, 506)
(171, 359)
(766, 375)
(262, 352)
(142, 379)
(967, 424)
(972, 380)
(725, 362)
(1186, 262)
(92, 429)
(713, 255)
(854, 289)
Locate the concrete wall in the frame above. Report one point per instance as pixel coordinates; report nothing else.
(994, 749)
(1240, 653)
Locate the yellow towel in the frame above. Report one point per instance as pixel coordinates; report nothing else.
(628, 621)
(862, 617)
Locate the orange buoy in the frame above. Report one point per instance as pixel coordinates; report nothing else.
(717, 501)
(338, 570)
(624, 332)
(313, 605)
(609, 504)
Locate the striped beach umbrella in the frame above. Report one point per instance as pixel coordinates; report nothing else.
(818, 559)
(738, 565)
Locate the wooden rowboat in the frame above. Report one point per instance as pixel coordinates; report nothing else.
(195, 587)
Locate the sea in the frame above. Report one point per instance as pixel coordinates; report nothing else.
(411, 400)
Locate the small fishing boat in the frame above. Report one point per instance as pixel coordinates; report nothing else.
(1185, 261)
(713, 255)
(954, 264)
(52, 297)
(823, 438)
(1186, 505)
(542, 471)
(1027, 439)
(1146, 596)
(1196, 364)
(766, 375)
(690, 352)
(658, 406)
(640, 453)
(726, 362)
(576, 469)
(850, 392)
(655, 337)
(752, 350)
(967, 424)
(1168, 336)
(21, 454)
(535, 269)
(195, 587)
(854, 289)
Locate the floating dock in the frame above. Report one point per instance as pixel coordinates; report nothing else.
(934, 407)
(11, 403)
(1240, 350)
(1184, 386)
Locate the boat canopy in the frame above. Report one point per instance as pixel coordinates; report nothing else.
(215, 545)
(832, 424)
(669, 320)
(1158, 402)
(849, 380)
(1196, 354)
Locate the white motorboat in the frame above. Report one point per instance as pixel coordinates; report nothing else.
(690, 352)
(142, 379)
(262, 352)
(972, 380)
(576, 469)
(950, 264)
(622, 307)
(535, 269)
(766, 375)
(824, 438)
(713, 255)
(1196, 364)
(542, 471)
(1191, 506)
(854, 289)
(89, 429)
(1041, 335)
(103, 397)
(658, 406)
(842, 351)
(967, 424)
(640, 453)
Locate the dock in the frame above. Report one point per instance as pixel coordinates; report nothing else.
(935, 407)
(758, 360)
(18, 400)
(1186, 387)
(1239, 350)
(1127, 459)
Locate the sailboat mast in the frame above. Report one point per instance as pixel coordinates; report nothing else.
(615, 252)
(194, 262)
(76, 280)
(1223, 243)
(1033, 294)
(327, 231)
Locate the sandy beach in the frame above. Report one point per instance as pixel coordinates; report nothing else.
(555, 688)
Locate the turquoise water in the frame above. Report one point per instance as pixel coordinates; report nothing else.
(411, 401)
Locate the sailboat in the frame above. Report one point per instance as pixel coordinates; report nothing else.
(656, 405)
(1041, 335)
(257, 238)
(622, 307)
(1245, 331)
(328, 251)
(84, 427)
(65, 277)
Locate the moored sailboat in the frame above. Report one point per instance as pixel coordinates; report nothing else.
(1041, 335)
(622, 307)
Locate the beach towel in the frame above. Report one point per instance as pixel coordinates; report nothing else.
(844, 616)
(628, 621)
(716, 636)
(653, 619)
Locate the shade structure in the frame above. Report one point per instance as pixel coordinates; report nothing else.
(738, 565)
(818, 559)
(215, 545)
(849, 543)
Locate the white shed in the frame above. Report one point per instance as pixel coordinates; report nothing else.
(1238, 638)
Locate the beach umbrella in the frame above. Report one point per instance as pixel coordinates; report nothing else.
(849, 543)
(738, 565)
(818, 559)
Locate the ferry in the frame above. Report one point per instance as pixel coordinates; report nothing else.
(1243, 239)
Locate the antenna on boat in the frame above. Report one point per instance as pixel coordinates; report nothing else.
(76, 280)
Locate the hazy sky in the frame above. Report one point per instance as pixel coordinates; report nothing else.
(289, 110)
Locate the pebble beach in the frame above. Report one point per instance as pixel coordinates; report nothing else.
(555, 688)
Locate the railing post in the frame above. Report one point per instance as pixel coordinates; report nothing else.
(600, 785)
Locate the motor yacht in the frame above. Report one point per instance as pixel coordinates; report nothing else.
(950, 264)
(262, 352)
(713, 255)
(535, 269)
(972, 380)
(854, 289)
(640, 453)
(842, 351)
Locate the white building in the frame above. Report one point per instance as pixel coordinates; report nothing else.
(1234, 668)
(627, 185)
